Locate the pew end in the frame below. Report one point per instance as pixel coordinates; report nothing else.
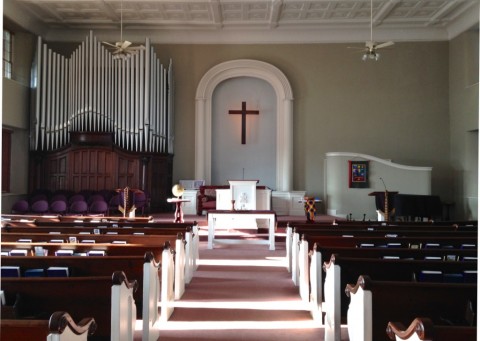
(63, 328)
(123, 308)
(151, 297)
(423, 329)
(167, 284)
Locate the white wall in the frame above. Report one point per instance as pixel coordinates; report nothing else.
(342, 200)
(256, 159)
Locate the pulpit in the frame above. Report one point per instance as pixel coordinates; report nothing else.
(247, 196)
(243, 194)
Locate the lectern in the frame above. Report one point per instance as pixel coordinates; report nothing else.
(384, 207)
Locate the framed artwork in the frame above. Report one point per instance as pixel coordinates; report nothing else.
(358, 174)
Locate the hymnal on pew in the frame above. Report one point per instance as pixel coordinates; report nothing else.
(18, 252)
(96, 253)
(34, 273)
(57, 271)
(64, 253)
(10, 271)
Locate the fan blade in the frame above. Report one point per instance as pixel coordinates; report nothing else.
(386, 44)
(135, 48)
(356, 48)
(125, 44)
(109, 44)
(370, 44)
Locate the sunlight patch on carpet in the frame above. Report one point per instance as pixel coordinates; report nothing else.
(269, 261)
(253, 305)
(257, 325)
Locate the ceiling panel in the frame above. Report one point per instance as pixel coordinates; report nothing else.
(269, 15)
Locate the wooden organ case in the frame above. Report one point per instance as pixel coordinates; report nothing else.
(101, 122)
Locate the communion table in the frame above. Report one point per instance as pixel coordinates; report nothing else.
(236, 220)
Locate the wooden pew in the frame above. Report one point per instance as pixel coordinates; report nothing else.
(401, 253)
(376, 240)
(39, 298)
(86, 267)
(295, 235)
(183, 265)
(68, 219)
(424, 329)
(311, 283)
(34, 330)
(85, 248)
(301, 248)
(190, 232)
(374, 303)
(343, 269)
(373, 223)
(349, 269)
(59, 327)
(157, 239)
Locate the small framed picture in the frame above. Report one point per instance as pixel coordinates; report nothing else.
(358, 174)
(72, 239)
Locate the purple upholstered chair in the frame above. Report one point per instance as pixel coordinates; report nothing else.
(98, 207)
(20, 207)
(78, 207)
(140, 201)
(39, 207)
(58, 207)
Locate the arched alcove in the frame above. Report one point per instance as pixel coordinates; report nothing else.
(203, 115)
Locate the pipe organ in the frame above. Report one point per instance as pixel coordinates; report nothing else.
(92, 91)
(101, 123)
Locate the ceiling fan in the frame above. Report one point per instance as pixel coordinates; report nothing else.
(122, 49)
(371, 47)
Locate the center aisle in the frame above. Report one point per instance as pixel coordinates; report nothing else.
(241, 292)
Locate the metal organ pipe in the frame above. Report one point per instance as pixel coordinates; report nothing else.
(90, 91)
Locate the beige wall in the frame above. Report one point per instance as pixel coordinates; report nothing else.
(397, 108)
(464, 113)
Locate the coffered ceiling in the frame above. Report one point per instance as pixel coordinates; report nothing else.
(243, 21)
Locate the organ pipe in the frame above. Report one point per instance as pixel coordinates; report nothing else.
(92, 92)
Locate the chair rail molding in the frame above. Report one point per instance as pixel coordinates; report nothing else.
(203, 115)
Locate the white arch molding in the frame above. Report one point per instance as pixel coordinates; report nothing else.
(203, 115)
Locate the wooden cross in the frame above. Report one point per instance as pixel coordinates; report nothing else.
(244, 112)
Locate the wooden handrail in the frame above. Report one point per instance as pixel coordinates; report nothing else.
(60, 320)
(362, 282)
(423, 327)
(119, 277)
